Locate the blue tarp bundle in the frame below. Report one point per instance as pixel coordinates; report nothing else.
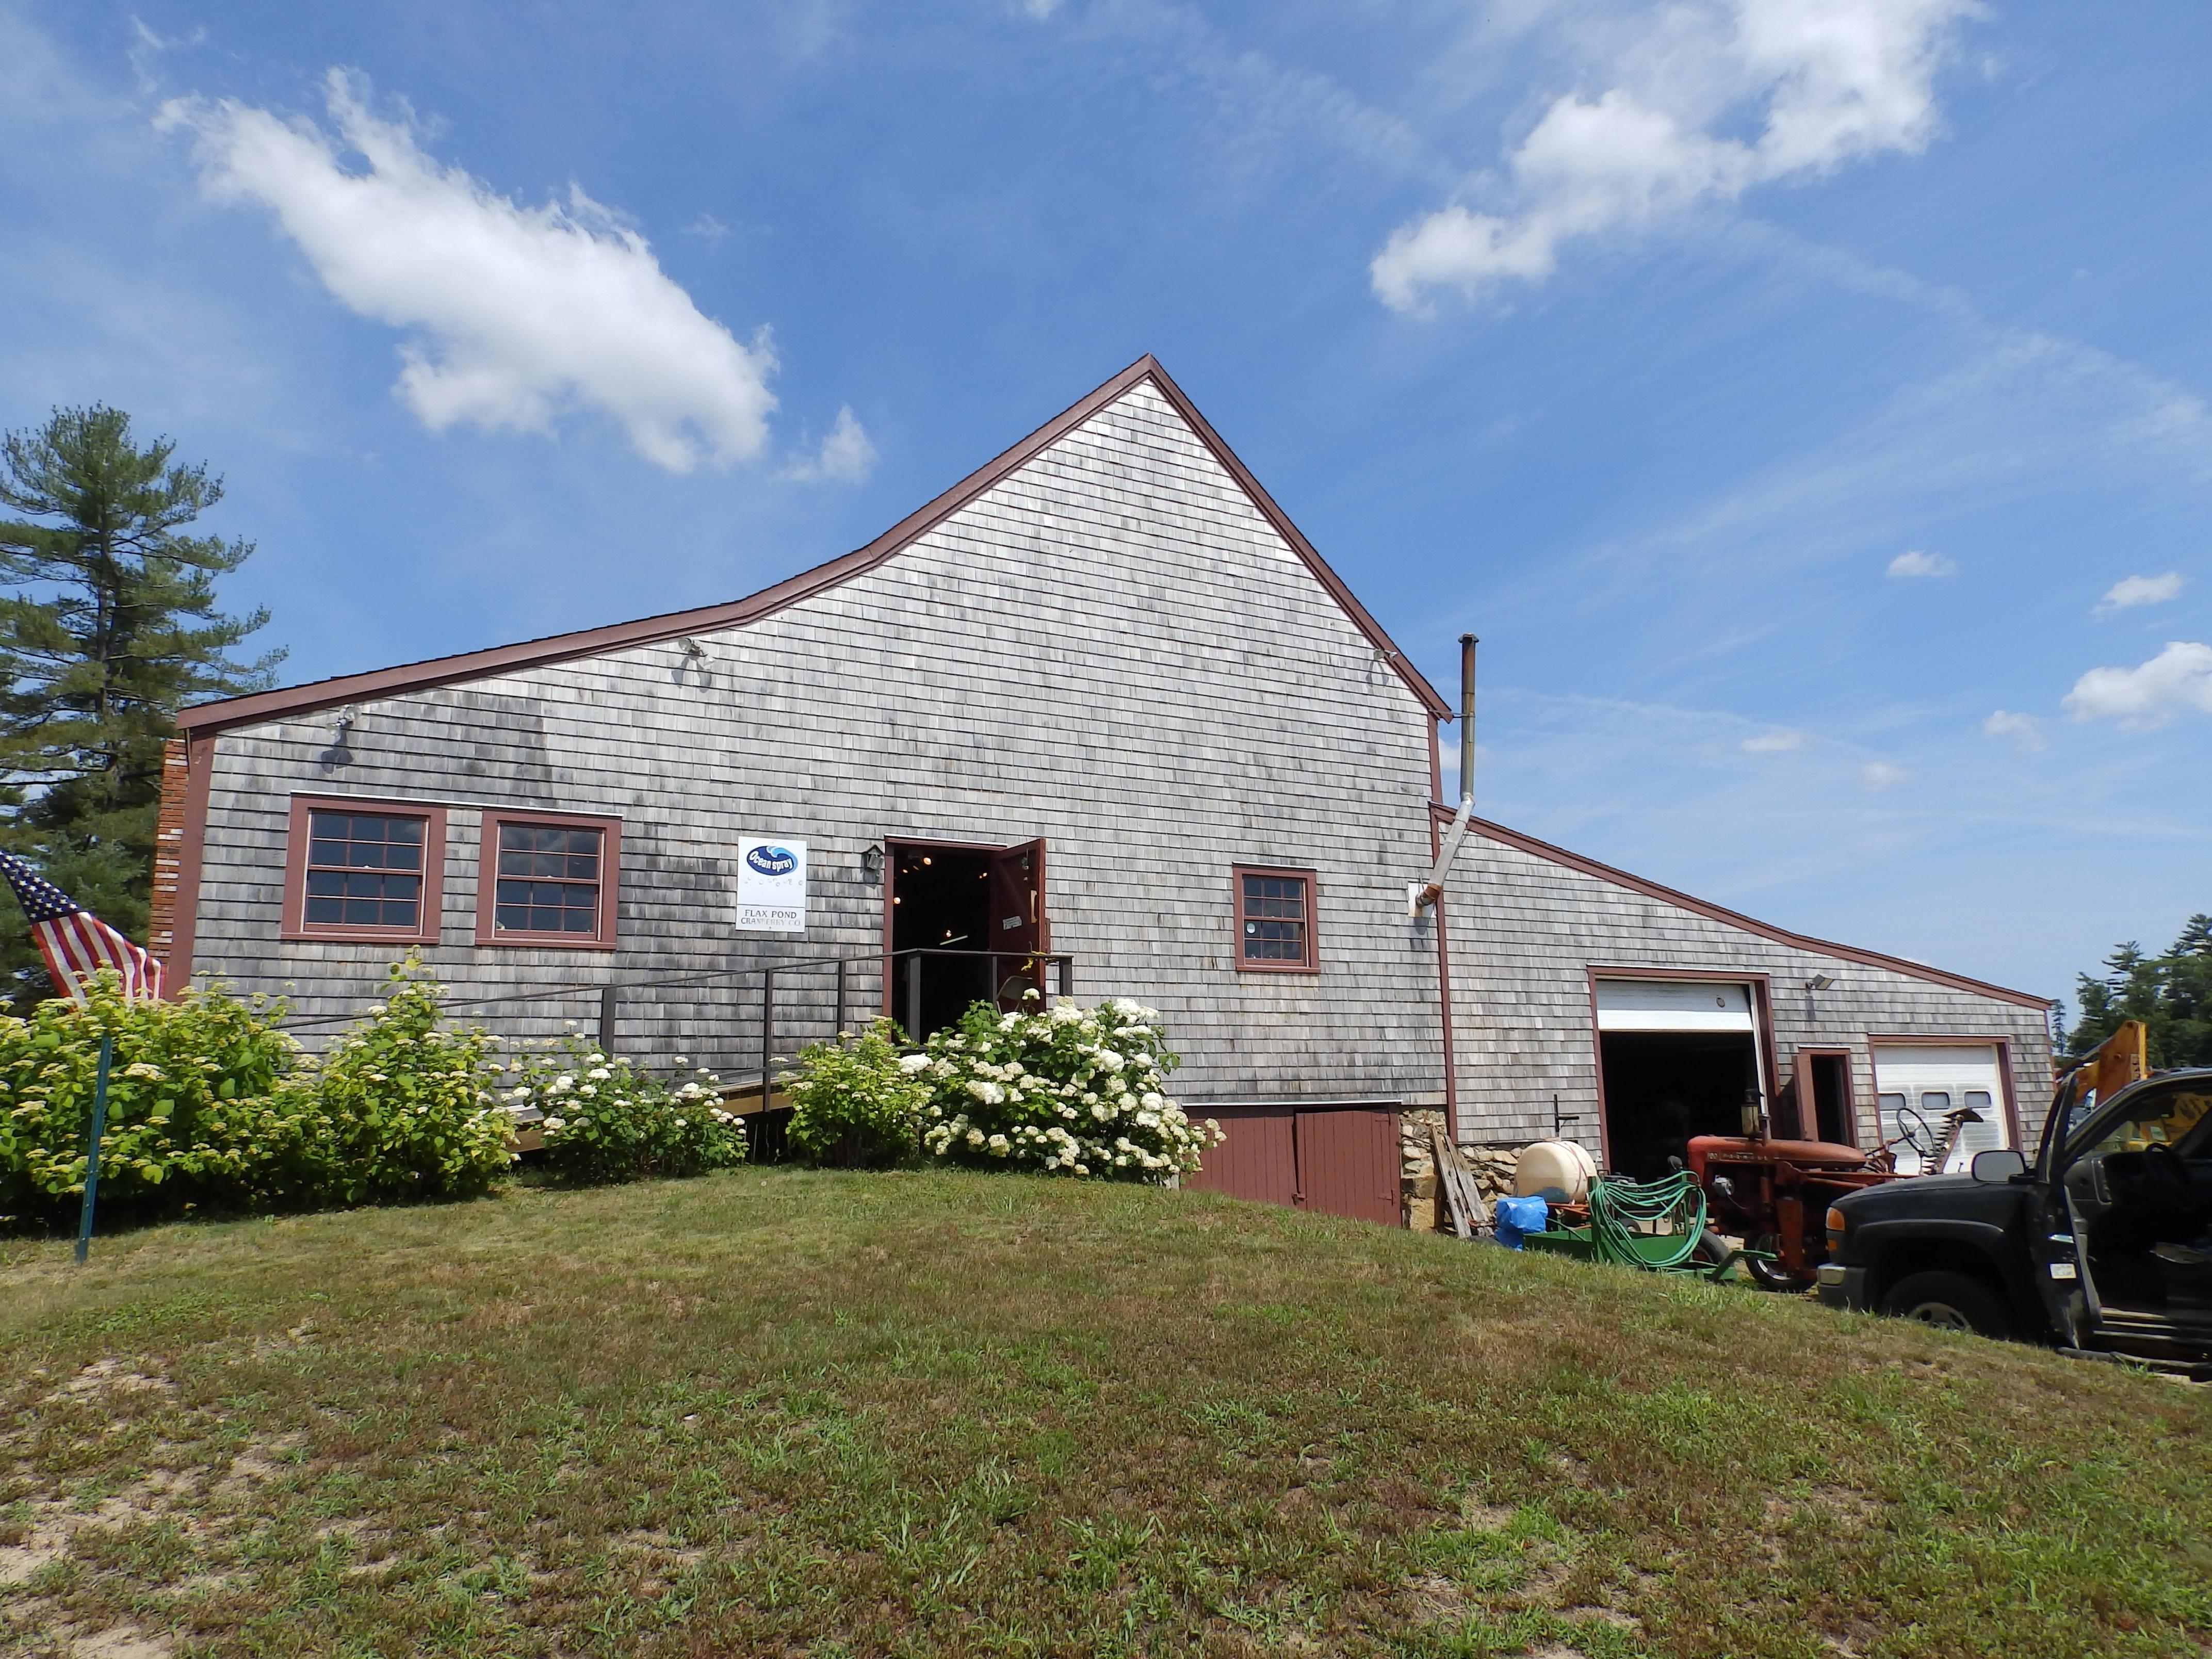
(1519, 1217)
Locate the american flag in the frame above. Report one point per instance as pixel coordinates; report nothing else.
(75, 943)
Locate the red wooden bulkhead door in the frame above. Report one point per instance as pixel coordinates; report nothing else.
(1017, 921)
(1259, 1159)
(1332, 1160)
(1348, 1164)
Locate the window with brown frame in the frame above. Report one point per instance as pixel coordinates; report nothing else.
(364, 870)
(548, 879)
(1275, 920)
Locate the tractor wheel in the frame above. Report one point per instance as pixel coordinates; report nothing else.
(1951, 1302)
(1771, 1275)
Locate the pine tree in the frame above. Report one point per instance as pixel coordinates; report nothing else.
(108, 627)
(2189, 994)
(2171, 994)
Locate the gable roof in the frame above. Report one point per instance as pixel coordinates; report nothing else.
(1706, 907)
(206, 719)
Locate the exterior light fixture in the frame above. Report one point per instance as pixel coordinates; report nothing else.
(1818, 982)
(872, 860)
(691, 647)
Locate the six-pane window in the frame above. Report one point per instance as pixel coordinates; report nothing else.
(548, 879)
(364, 870)
(1274, 919)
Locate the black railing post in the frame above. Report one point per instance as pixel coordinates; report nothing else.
(914, 996)
(767, 1029)
(609, 1003)
(838, 1028)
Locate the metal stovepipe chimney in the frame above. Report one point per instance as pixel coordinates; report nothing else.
(1420, 895)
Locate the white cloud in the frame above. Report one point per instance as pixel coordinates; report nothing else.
(707, 228)
(846, 455)
(524, 313)
(1905, 566)
(1828, 81)
(1040, 8)
(2131, 591)
(2179, 677)
(2022, 729)
(1878, 775)
(1774, 743)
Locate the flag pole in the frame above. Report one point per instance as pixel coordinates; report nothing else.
(92, 1160)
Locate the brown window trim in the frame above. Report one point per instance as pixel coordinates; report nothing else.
(1311, 964)
(295, 924)
(603, 938)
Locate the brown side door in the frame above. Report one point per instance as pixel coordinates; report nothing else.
(1348, 1164)
(1017, 921)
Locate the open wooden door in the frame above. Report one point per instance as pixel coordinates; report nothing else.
(1017, 923)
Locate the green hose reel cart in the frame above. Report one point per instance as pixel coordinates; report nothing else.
(1658, 1225)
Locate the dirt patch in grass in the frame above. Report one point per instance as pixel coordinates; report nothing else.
(921, 1414)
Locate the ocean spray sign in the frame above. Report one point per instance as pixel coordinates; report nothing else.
(771, 884)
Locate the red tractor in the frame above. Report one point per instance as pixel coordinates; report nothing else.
(1774, 1194)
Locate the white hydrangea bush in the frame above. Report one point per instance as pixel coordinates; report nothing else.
(604, 1120)
(1066, 1090)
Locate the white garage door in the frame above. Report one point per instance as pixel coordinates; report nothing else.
(1672, 1005)
(1935, 1079)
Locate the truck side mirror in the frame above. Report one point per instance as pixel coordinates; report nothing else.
(1998, 1166)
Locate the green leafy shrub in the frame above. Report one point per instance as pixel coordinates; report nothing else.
(1070, 1090)
(203, 1106)
(857, 1103)
(606, 1121)
(405, 1105)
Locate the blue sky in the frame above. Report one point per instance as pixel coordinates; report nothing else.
(1804, 399)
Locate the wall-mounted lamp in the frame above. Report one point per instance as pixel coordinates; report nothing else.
(872, 860)
(691, 647)
(1818, 982)
(347, 716)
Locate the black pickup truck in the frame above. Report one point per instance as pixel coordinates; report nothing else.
(2102, 1244)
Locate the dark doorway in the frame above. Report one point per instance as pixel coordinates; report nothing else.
(1831, 1085)
(1663, 1087)
(941, 901)
(983, 905)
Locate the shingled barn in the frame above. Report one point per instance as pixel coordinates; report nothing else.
(1098, 720)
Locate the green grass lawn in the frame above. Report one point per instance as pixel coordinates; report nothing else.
(787, 1413)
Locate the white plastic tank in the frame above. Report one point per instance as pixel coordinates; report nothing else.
(1560, 1166)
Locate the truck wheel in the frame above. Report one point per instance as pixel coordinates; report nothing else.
(1951, 1302)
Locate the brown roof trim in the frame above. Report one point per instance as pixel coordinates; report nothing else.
(651, 630)
(1529, 844)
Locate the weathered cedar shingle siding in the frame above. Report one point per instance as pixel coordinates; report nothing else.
(1523, 932)
(1112, 648)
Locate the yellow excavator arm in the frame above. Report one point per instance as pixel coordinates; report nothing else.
(2121, 1058)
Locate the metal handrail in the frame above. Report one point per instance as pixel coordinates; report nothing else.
(1036, 959)
(610, 991)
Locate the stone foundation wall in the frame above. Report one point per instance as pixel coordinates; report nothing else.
(1425, 1210)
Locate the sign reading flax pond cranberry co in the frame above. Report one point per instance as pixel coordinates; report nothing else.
(771, 884)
